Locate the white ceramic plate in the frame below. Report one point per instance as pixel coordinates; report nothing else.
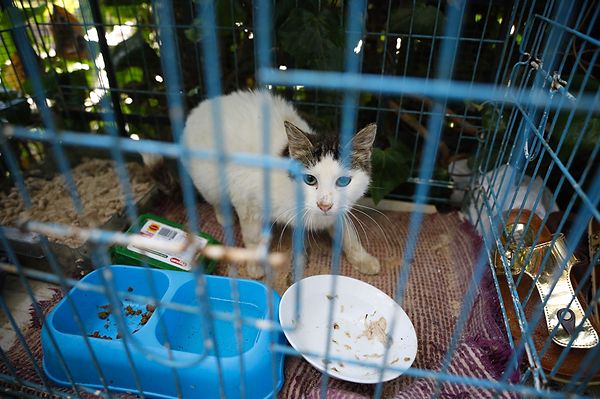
(360, 328)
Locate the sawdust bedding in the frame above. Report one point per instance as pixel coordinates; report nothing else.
(97, 185)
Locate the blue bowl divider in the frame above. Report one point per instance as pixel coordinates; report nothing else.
(195, 366)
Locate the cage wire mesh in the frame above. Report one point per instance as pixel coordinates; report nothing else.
(490, 107)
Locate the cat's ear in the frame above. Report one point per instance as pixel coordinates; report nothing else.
(363, 140)
(298, 141)
(362, 144)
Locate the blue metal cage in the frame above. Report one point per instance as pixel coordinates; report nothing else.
(491, 107)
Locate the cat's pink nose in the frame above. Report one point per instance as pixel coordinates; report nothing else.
(324, 206)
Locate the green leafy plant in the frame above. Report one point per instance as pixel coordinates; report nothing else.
(306, 34)
(320, 46)
(580, 138)
(390, 169)
(227, 14)
(136, 52)
(422, 19)
(8, 19)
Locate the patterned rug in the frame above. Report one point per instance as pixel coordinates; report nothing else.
(440, 274)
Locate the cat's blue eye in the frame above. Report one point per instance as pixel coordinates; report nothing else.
(310, 180)
(343, 181)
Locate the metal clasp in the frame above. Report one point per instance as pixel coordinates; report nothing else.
(557, 83)
(532, 61)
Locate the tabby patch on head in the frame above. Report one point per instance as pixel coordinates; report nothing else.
(330, 188)
(309, 149)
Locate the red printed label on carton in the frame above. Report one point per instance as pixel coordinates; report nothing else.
(156, 231)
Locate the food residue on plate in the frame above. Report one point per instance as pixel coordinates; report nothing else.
(336, 326)
(348, 347)
(373, 356)
(376, 330)
(330, 297)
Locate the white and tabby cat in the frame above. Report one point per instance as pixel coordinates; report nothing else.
(328, 188)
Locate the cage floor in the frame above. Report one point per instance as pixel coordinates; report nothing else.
(19, 303)
(439, 277)
(440, 273)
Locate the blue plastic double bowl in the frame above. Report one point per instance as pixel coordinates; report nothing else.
(167, 351)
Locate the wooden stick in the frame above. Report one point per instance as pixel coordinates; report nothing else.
(217, 252)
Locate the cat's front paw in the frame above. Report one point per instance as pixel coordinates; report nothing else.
(364, 262)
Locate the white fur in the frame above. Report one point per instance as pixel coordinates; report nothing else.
(242, 132)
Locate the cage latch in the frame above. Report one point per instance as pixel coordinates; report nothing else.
(567, 319)
(557, 83)
(533, 61)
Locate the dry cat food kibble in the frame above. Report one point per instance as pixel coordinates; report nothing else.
(97, 185)
(96, 334)
(128, 311)
(146, 316)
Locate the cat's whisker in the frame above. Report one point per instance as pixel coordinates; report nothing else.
(282, 214)
(384, 236)
(311, 229)
(370, 208)
(370, 217)
(315, 236)
(307, 223)
(350, 215)
(293, 210)
(348, 223)
(291, 218)
(361, 224)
